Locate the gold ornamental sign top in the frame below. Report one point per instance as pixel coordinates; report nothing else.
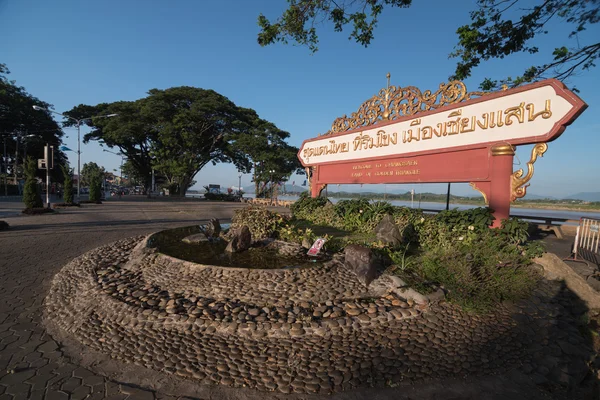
(393, 102)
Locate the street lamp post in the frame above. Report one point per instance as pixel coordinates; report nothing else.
(240, 184)
(5, 165)
(121, 169)
(79, 121)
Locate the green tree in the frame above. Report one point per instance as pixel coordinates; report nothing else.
(95, 182)
(18, 120)
(90, 171)
(297, 23)
(193, 127)
(67, 184)
(271, 158)
(129, 132)
(31, 191)
(178, 131)
(498, 29)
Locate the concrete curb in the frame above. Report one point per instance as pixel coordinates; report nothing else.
(557, 269)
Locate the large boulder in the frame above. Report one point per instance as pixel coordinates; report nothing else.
(213, 229)
(387, 231)
(241, 240)
(362, 262)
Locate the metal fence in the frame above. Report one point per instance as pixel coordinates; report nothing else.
(587, 241)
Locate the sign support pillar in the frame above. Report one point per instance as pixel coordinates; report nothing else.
(500, 188)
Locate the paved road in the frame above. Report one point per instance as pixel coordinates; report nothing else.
(32, 365)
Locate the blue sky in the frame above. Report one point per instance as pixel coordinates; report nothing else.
(69, 52)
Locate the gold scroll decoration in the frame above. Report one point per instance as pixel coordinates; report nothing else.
(308, 171)
(321, 188)
(394, 102)
(518, 181)
(485, 198)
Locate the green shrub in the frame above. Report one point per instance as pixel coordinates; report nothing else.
(477, 277)
(305, 205)
(290, 233)
(95, 187)
(220, 197)
(261, 222)
(31, 192)
(68, 184)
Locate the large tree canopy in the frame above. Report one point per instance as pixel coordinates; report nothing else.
(178, 131)
(26, 130)
(129, 132)
(264, 144)
(498, 29)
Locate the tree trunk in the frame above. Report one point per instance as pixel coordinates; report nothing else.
(148, 186)
(183, 186)
(255, 182)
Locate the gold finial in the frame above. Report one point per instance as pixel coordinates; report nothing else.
(505, 87)
(386, 112)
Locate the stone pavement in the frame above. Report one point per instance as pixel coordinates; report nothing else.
(33, 365)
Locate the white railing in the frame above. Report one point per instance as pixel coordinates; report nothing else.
(587, 241)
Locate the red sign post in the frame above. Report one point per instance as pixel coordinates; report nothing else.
(404, 136)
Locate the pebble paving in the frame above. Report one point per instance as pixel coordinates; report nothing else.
(257, 329)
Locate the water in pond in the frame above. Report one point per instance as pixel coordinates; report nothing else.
(170, 242)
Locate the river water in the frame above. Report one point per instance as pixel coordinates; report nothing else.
(516, 211)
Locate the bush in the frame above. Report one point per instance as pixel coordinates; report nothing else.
(261, 222)
(305, 205)
(479, 266)
(477, 277)
(68, 184)
(31, 192)
(221, 197)
(351, 215)
(95, 187)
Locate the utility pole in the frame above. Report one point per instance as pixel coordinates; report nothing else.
(49, 159)
(5, 165)
(17, 158)
(448, 198)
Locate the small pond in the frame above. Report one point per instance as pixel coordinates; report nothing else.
(170, 242)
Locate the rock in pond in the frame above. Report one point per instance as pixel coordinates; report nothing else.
(240, 241)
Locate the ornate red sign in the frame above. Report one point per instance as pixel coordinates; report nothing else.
(403, 136)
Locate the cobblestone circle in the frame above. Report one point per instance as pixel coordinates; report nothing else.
(314, 330)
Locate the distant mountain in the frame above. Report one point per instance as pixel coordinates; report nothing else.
(585, 196)
(293, 189)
